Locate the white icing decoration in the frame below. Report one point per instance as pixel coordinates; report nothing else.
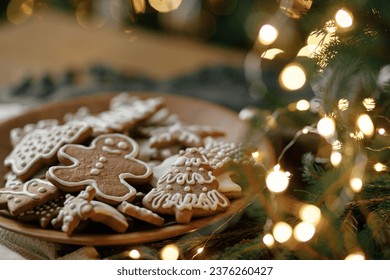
(111, 151)
(103, 159)
(109, 141)
(95, 171)
(32, 183)
(187, 188)
(122, 145)
(186, 178)
(99, 165)
(206, 201)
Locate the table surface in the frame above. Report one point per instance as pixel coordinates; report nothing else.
(53, 42)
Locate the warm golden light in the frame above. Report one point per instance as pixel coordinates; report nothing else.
(381, 131)
(282, 232)
(369, 103)
(292, 77)
(326, 127)
(356, 184)
(303, 105)
(344, 18)
(169, 252)
(356, 256)
(134, 254)
(310, 214)
(277, 181)
(87, 19)
(343, 104)
(271, 53)
(200, 250)
(268, 240)
(165, 6)
(267, 34)
(19, 11)
(139, 6)
(365, 125)
(304, 231)
(335, 158)
(258, 156)
(379, 167)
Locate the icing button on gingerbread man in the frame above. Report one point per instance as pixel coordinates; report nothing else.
(108, 164)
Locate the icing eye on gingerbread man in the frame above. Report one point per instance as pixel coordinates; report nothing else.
(108, 165)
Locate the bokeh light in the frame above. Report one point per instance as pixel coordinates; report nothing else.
(379, 167)
(304, 231)
(343, 104)
(335, 158)
(292, 77)
(134, 254)
(165, 6)
(170, 252)
(268, 240)
(344, 18)
(282, 232)
(326, 127)
(381, 131)
(19, 11)
(365, 125)
(359, 255)
(267, 34)
(277, 181)
(303, 105)
(271, 53)
(356, 184)
(310, 214)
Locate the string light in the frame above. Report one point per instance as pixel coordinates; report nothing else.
(282, 232)
(310, 214)
(268, 240)
(292, 77)
(359, 255)
(344, 18)
(303, 231)
(379, 167)
(381, 131)
(343, 104)
(356, 184)
(169, 252)
(134, 254)
(326, 127)
(335, 158)
(365, 125)
(303, 105)
(267, 34)
(369, 103)
(277, 181)
(258, 156)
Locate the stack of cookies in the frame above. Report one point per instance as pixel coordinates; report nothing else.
(134, 161)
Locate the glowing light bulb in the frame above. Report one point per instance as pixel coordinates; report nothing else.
(292, 77)
(268, 240)
(304, 231)
(335, 158)
(344, 18)
(277, 181)
(134, 254)
(267, 34)
(369, 103)
(326, 127)
(169, 252)
(343, 104)
(379, 167)
(356, 256)
(303, 105)
(258, 156)
(200, 250)
(381, 131)
(310, 214)
(282, 232)
(365, 125)
(356, 184)
(165, 6)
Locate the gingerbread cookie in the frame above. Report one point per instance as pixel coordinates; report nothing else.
(122, 117)
(23, 196)
(178, 133)
(45, 213)
(188, 190)
(108, 165)
(141, 213)
(17, 134)
(40, 146)
(81, 207)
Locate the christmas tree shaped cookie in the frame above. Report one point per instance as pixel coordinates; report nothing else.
(187, 190)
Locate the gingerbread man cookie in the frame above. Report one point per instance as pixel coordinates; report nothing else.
(81, 207)
(40, 146)
(23, 196)
(188, 190)
(108, 165)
